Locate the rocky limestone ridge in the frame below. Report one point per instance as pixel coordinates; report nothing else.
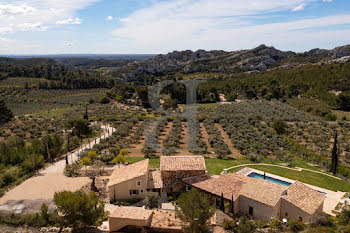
(258, 59)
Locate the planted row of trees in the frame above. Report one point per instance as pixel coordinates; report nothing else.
(215, 138)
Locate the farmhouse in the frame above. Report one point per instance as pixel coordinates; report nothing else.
(129, 182)
(258, 198)
(175, 168)
(301, 202)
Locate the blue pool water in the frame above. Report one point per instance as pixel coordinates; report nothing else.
(277, 181)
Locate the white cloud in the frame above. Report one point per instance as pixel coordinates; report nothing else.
(8, 9)
(32, 27)
(6, 30)
(70, 20)
(327, 0)
(299, 8)
(39, 15)
(109, 18)
(186, 24)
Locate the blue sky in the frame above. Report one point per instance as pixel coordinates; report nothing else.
(161, 26)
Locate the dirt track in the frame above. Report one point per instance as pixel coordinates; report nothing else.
(50, 180)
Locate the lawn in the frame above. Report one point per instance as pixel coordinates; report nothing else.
(215, 166)
(315, 179)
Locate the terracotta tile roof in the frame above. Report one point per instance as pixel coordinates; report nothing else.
(182, 163)
(228, 184)
(154, 180)
(125, 173)
(219, 218)
(263, 191)
(129, 212)
(165, 219)
(219, 229)
(304, 197)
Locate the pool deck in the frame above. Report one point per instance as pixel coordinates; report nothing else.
(332, 198)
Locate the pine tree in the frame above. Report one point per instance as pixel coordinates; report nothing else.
(335, 158)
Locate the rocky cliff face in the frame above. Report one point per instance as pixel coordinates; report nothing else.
(258, 59)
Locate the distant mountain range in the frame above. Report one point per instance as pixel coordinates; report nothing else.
(259, 59)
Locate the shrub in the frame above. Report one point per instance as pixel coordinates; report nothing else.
(152, 200)
(296, 226)
(331, 117)
(104, 100)
(279, 126)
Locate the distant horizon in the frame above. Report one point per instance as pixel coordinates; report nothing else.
(150, 54)
(41, 27)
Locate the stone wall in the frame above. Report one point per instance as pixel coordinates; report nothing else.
(172, 180)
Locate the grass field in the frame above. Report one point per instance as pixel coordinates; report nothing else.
(215, 166)
(315, 179)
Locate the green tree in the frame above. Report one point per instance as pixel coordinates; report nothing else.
(85, 161)
(119, 159)
(107, 158)
(344, 216)
(44, 212)
(92, 155)
(335, 158)
(5, 113)
(152, 200)
(279, 126)
(79, 209)
(343, 101)
(222, 203)
(80, 127)
(195, 212)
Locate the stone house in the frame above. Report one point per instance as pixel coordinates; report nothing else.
(301, 202)
(260, 199)
(175, 168)
(129, 182)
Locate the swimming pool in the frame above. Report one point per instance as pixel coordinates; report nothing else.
(274, 180)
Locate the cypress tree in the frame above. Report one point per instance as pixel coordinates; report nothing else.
(335, 158)
(222, 204)
(232, 206)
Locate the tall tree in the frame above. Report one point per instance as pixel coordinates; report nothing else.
(335, 158)
(5, 113)
(222, 202)
(195, 212)
(79, 209)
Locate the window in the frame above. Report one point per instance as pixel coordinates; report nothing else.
(300, 219)
(251, 211)
(134, 192)
(138, 183)
(286, 214)
(141, 190)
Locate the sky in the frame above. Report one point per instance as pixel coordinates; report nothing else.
(161, 26)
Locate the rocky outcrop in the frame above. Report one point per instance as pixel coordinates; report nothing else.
(258, 59)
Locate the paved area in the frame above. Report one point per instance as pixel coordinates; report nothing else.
(52, 179)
